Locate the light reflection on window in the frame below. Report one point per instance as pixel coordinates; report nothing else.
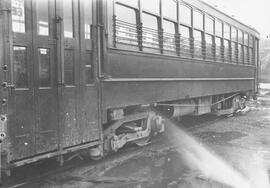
(43, 17)
(68, 18)
(87, 18)
(18, 16)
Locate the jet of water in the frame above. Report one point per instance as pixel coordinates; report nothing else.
(213, 167)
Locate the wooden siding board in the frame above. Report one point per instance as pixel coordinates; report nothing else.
(128, 65)
(121, 94)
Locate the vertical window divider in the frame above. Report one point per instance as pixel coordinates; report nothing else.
(139, 26)
(177, 32)
(160, 28)
(160, 39)
(222, 41)
(230, 43)
(214, 42)
(191, 40)
(237, 53)
(114, 30)
(203, 39)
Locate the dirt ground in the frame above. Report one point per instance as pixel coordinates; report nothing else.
(206, 152)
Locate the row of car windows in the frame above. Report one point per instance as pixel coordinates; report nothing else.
(170, 11)
(211, 36)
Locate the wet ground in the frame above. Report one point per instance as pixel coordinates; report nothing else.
(206, 152)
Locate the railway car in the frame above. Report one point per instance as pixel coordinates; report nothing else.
(94, 75)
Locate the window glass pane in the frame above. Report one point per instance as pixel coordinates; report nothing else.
(218, 41)
(251, 60)
(69, 74)
(89, 76)
(184, 31)
(169, 35)
(133, 3)
(44, 67)
(218, 28)
(208, 39)
(246, 55)
(18, 16)
(226, 31)
(234, 34)
(168, 27)
(149, 21)
(125, 26)
(185, 14)
(234, 52)
(20, 67)
(185, 41)
(240, 53)
(150, 31)
(125, 14)
(197, 43)
(43, 17)
(245, 38)
(226, 50)
(151, 5)
(209, 46)
(68, 18)
(197, 35)
(240, 37)
(227, 53)
(218, 48)
(198, 19)
(209, 25)
(87, 18)
(250, 43)
(169, 9)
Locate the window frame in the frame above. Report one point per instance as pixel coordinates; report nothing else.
(175, 47)
(186, 52)
(128, 45)
(209, 26)
(147, 48)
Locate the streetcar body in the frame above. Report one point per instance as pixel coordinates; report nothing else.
(72, 69)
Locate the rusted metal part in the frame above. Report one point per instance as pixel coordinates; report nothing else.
(150, 123)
